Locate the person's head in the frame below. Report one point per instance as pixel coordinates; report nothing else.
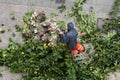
(70, 26)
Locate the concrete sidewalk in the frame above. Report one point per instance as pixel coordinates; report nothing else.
(7, 75)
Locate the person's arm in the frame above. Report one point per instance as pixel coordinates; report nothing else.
(82, 34)
(63, 37)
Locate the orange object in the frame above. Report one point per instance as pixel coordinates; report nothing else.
(79, 47)
(74, 51)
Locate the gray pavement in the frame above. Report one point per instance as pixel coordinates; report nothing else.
(100, 7)
(114, 75)
(7, 75)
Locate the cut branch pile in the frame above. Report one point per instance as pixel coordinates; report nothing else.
(40, 28)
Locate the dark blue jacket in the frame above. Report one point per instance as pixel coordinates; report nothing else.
(70, 38)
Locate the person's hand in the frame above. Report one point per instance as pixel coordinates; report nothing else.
(64, 31)
(61, 32)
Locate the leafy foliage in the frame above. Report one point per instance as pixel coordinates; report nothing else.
(37, 60)
(106, 56)
(0, 73)
(87, 23)
(2, 31)
(53, 14)
(115, 9)
(62, 8)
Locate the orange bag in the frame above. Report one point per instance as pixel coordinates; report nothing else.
(79, 47)
(74, 51)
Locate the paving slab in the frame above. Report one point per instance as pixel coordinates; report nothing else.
(7, 75)
(114, 75)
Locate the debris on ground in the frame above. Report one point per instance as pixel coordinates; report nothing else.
(42, 28)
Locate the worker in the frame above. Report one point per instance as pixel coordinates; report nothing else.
(70, 38)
